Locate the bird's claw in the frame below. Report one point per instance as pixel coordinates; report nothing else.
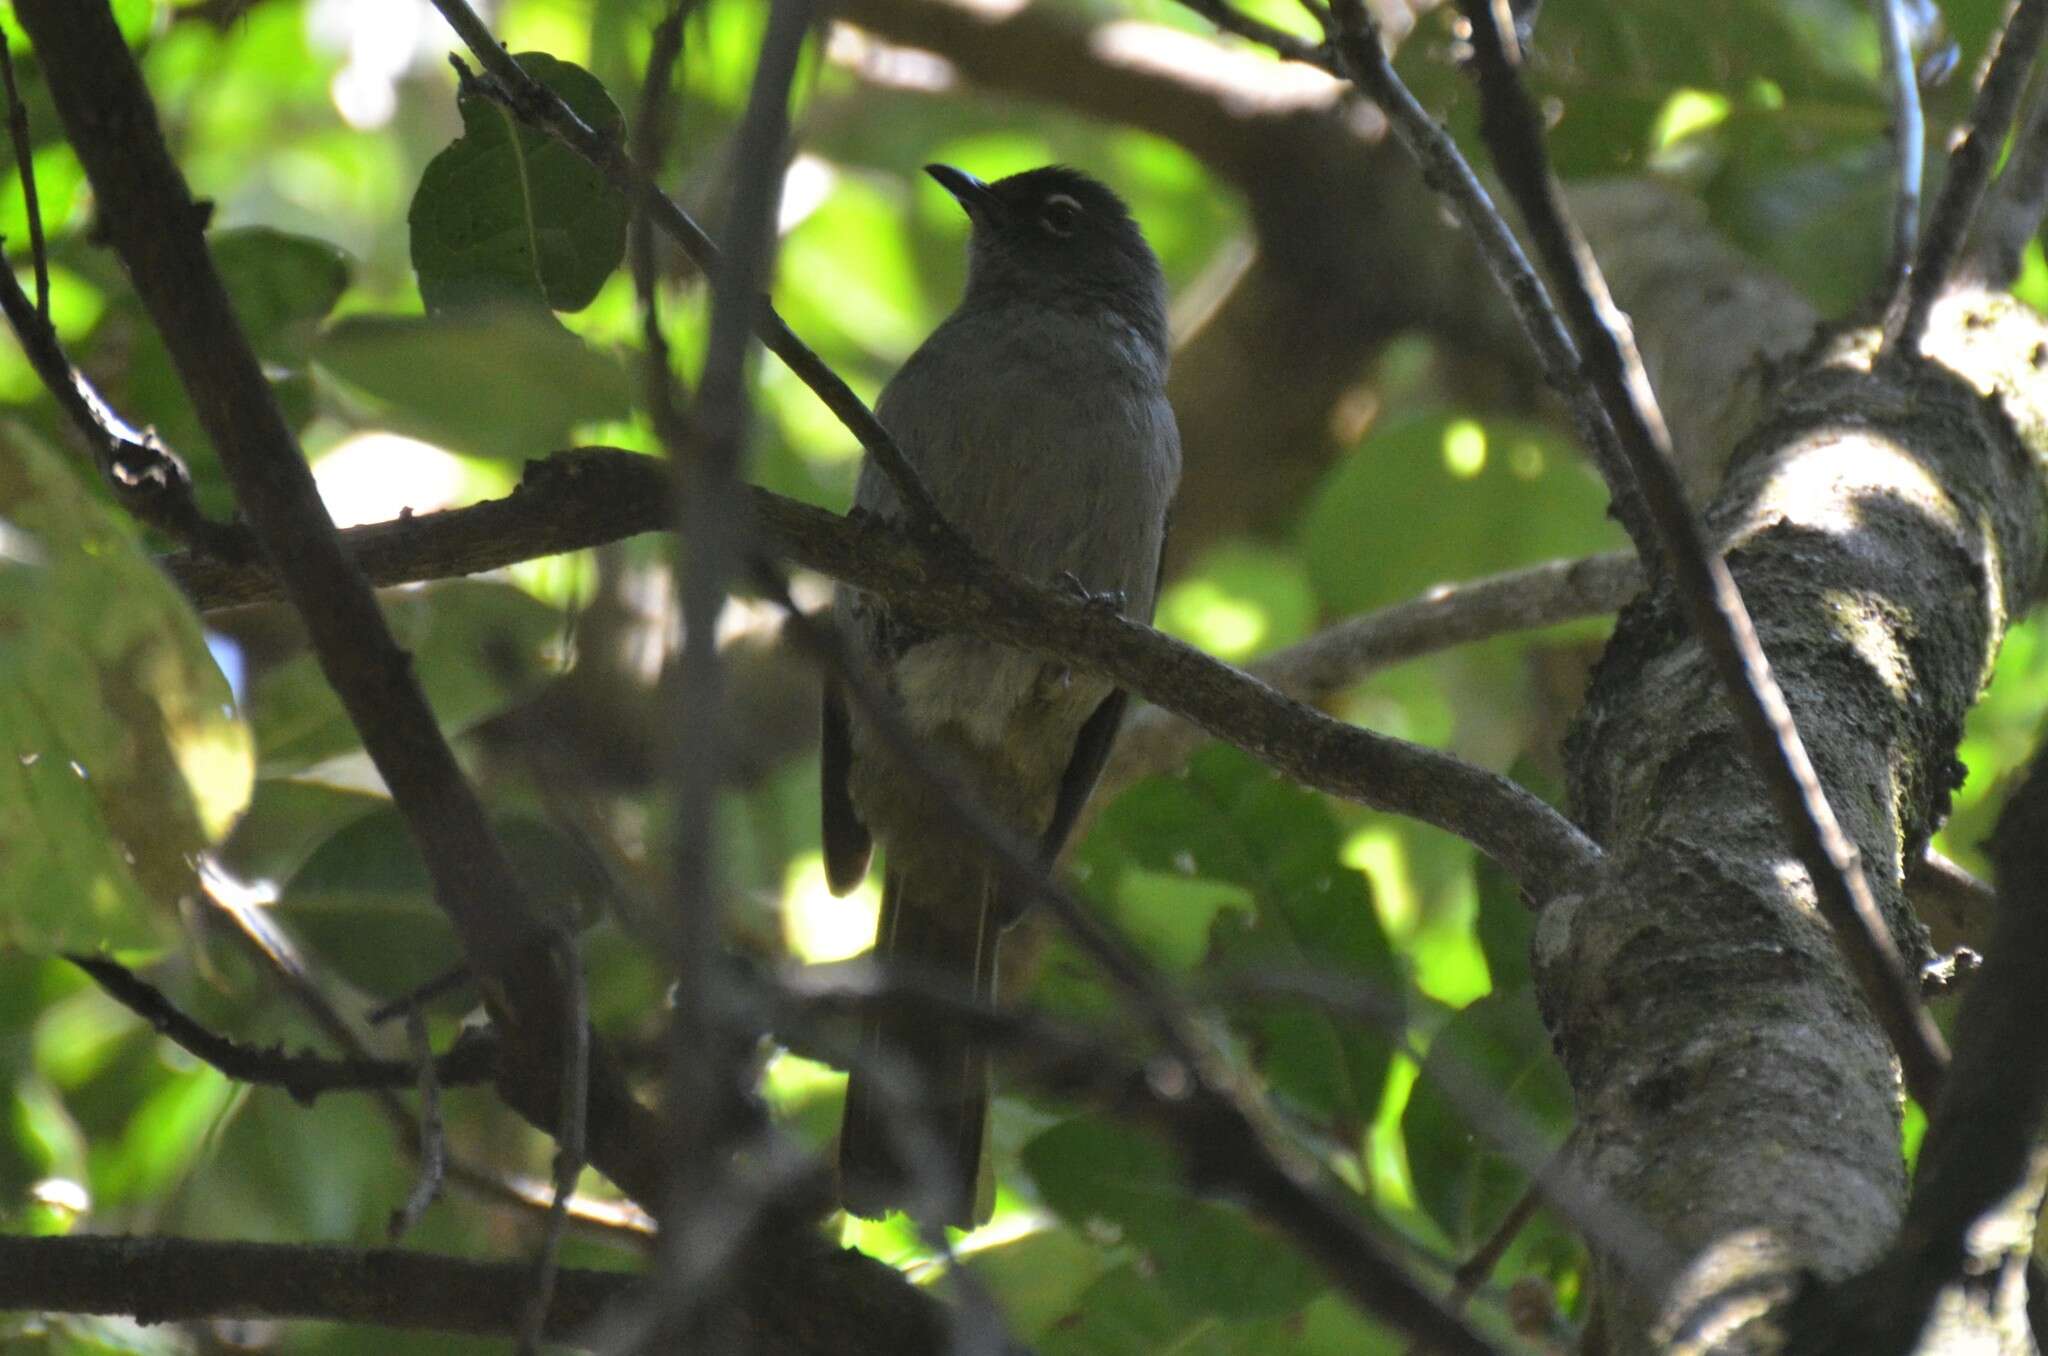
(1112, 599)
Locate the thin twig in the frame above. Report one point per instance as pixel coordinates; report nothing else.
(25, 165)
(472, 1059)
(433, 1141)
(617, 1222)
(1909, 134)
(1364, 62)
(1347, 653)
(703, 1103)
(569, 1150)
(1230, 19)
(147, 479)
(536, 106)
(1512, 128)
(2013, 206)
(1969, 169)
(156, 229)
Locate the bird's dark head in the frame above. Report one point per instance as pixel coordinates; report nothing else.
(1058, 236)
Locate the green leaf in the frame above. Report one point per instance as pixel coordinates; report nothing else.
(1210, 1258)
(1258, 864)
(121, 754)
(509, 214)
(364, 901)
(500, 381)
(476, 645)
(1039, 1278)
(282, 286)
(1431, 498)
(1499, 1043)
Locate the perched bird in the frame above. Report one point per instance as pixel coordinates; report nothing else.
(1036, 415)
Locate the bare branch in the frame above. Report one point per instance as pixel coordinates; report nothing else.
(2013, 206)
(1351, 651)
(1365, 62)
(305, 1076)
(25, 165)
(1969, 168)
(159, 1280)
(433, 1143)
(149, 217)
(1512, 127)
(604, 493)
(1909, 133)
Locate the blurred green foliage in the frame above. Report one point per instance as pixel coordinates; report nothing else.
(315, 128)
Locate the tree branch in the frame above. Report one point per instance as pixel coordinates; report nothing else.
(149, 217)
(471, 1059)
(1969, 169)
(1513, 128)
(598, 491)
(160, 1280)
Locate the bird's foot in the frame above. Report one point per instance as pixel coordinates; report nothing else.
(1112, 599)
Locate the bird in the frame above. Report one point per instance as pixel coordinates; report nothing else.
(1036, 416)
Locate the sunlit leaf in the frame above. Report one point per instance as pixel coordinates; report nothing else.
(121, 755)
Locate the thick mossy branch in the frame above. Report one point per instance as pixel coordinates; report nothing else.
(1883, 526)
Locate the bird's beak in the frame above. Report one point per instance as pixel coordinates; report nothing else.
(976, 198)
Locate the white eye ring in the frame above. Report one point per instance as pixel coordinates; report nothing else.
(1059, 214)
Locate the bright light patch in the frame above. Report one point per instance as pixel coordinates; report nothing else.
(1464, 449)
(1686, 113)
(805, 186)
(819, 927)
(374, 477)
(1221, 623)
(1377, 850)
(792, 1079)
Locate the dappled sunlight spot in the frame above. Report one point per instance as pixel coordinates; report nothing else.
(1822, 485)
(790, 1080)
(885, 64)
(1245, 80)
(819, 927)
(374, 477)
(1201, 612)
(805, 186)
(380, 42)
(1386, 1147)
(1526, 460)
(1686, 113)
(1464, 448)
(1377, 850)
(1858, 621)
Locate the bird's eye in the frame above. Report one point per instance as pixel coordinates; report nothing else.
(1060, 215)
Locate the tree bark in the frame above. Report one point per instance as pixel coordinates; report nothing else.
(1884, 527)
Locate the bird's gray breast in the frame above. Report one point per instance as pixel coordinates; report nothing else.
(1045, 436)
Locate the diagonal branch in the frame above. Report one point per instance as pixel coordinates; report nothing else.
(304, 1076)
(1512, 127)
(150, 219)
(1969, 169)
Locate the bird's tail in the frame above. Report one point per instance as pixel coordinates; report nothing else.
(946, 941)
